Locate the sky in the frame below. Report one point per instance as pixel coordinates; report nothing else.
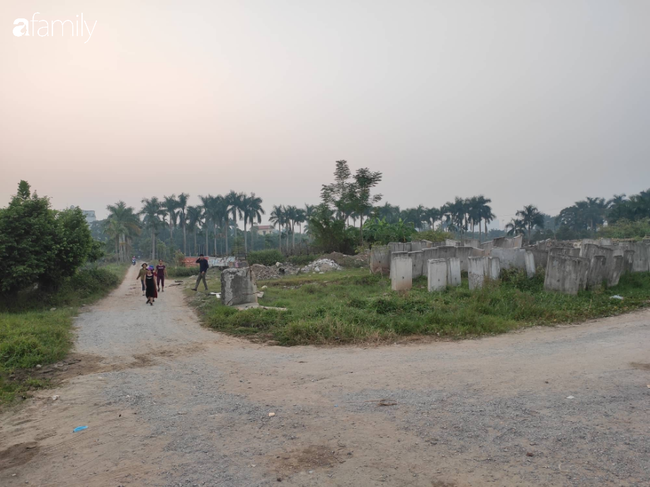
(525, 102)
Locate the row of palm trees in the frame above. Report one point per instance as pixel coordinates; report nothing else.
(287, 217)
(216, 214)
(459, 215)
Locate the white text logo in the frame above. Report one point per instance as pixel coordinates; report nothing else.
(43, 28)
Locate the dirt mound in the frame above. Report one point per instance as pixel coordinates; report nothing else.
(263, 273)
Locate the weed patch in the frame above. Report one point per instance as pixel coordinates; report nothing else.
(352, 307)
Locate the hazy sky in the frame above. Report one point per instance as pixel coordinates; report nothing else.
(527, 102)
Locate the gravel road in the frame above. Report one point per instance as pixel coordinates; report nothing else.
(168, 403)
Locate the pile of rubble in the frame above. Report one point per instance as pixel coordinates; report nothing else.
(321, 265)
(359, 260)
(262, 272)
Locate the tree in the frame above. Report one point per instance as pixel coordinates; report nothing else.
(182, 214)
(235, 205)
(362, 200)
(194, 219)
(152, 211)
(38, 244)
(484, 212)
(278, 218)
(531, 217)
(122, 225)
(339, 194)
(515, 227)
(253, 212)
(170, 208)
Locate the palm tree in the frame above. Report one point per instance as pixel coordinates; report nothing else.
(252, 211)
(484, 212)
(206, 202)
(301, 217)
(122, 224)
(291, 213)
(152, 210)
(182, 214)
(278, 218)
(235, 204)
(170, 207)
(194, 217)
(515, 227)
(531, 217)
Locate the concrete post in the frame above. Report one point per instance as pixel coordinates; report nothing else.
(566, 274)
(453, 271)
(238, 286)
(417, 259)
(529, 262)
(492, 268)
(615, 270)
(597, 272)
(437, 274)
(401, 271)
(380, 259)
(476, 271)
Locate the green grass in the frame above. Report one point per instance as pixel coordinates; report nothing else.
(31, 334)
(354, 307)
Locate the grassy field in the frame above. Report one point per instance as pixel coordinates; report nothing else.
(33, 333)
(353, 306)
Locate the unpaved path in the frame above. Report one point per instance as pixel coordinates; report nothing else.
(169, 403)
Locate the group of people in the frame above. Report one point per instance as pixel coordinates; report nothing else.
(153, 280)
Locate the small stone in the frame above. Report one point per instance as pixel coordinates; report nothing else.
(570, 397)
(39, 366)
(529, 454)
(271, 415)
(54, 398)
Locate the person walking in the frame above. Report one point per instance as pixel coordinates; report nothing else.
(161, 273)
(141, 276)
(150, 283)
(203, 268)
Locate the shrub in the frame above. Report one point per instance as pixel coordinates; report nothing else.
(182, 271)
(265, 257)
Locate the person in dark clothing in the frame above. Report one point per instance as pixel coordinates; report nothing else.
(203, 268)
(150, 282)
(161, 273)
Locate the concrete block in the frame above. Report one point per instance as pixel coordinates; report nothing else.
(492, 268)
(463, 254)
(401, 271)
(510, 258)
(415, 246)
(417, 260)
(380, 259)
(529, 263)
(436, 274)
(452, 243)
(597, 272)
(471, 242)
(238, 286)
(540, 256)
(442, 252)
(615, 270)
(476, 271)
(453, 271)
(566, 274)
(568, 251)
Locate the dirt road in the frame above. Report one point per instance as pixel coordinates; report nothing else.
(168, 403)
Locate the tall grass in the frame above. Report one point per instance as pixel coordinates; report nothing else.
(353, 307)
(35, 328)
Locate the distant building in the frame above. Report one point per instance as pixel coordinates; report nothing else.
(89, 214)
(265, 229)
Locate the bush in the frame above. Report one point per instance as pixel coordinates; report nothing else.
(265, 257)
(182, 271)
(626, 229)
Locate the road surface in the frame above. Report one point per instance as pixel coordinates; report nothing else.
(169, 403)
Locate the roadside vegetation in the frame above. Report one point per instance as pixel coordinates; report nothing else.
(48, 268)
(353, 306)
(36, 327)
